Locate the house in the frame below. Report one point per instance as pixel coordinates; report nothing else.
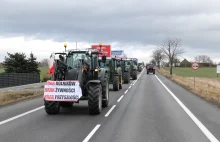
(185, 63)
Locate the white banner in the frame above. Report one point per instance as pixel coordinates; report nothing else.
(62, 91)
(218, 68)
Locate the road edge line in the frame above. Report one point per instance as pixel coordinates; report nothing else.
(20, 115)
(208, 134)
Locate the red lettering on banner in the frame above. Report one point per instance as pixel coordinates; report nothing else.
(49, 97)
(49, 90)
(50, 83)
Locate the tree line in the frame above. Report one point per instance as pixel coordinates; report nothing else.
(170, 49)
(20, 63)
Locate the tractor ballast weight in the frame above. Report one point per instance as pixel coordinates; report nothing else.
(81, 66)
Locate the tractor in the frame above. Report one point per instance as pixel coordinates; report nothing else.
(112, 65)
(150, 68)
(125, 70)
(81, 66)
(114, 72)
(140, 66)
(132, 62)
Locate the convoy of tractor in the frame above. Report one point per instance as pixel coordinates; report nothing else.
(87, 74)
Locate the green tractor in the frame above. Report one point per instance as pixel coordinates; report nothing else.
(140, 66)
(114, 72)
(125, 70)
(133, 67)
(81, 66)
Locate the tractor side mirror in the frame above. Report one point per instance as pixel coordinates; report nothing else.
(104, 59)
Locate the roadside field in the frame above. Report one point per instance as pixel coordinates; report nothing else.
(188, 72)
(207, 87)
(42, 74)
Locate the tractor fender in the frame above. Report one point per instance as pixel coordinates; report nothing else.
(102, 74)
(94, 82)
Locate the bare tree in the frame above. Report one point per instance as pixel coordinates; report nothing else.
(204, 59)
(171, 48)
(153, 61)
(158, 56)
(44, 62)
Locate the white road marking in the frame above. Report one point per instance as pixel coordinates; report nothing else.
(129, 87)
(208, 134)
(125, 91)
(120, 98)
(92, 133)
(134, 82)
(107, 114)
(20, 115)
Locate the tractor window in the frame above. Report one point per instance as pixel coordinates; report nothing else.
(74, 60)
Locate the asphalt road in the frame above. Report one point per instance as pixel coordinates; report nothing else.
(151, 109)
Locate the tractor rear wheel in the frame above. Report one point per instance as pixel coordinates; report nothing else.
(95, 99)
(52, 107)
(116, 83)
(126, 77)
(134, 75)
(105, 92)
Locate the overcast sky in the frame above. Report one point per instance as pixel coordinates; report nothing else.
(137, 26)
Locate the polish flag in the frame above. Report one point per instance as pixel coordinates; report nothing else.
(51, 64)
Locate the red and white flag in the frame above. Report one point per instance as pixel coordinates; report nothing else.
(51, 64)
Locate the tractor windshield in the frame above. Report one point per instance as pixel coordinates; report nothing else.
(75, 60)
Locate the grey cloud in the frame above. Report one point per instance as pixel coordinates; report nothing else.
(132, 21)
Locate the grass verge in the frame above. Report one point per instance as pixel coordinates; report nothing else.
(206, 88)
(12, 97)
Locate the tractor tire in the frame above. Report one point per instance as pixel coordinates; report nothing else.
(52, 107)
(95, 99)
(134, 75)
(126, 77)
(116, 83)
(66, 104)
(120, 82)
(105, 92)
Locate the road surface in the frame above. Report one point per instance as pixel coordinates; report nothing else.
(151, 109)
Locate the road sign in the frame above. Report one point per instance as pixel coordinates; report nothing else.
(195, 66)
(106, 49)
(118, 54)
(218, 68)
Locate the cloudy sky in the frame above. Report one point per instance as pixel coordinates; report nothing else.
(136, 26)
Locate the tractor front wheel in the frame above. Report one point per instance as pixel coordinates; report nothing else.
(95, 99)
(52, 107)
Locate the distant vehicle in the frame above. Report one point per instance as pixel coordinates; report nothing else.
(150, 68)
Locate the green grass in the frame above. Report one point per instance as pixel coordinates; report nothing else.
(189, 72)
(1, 70)
(42, 74)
